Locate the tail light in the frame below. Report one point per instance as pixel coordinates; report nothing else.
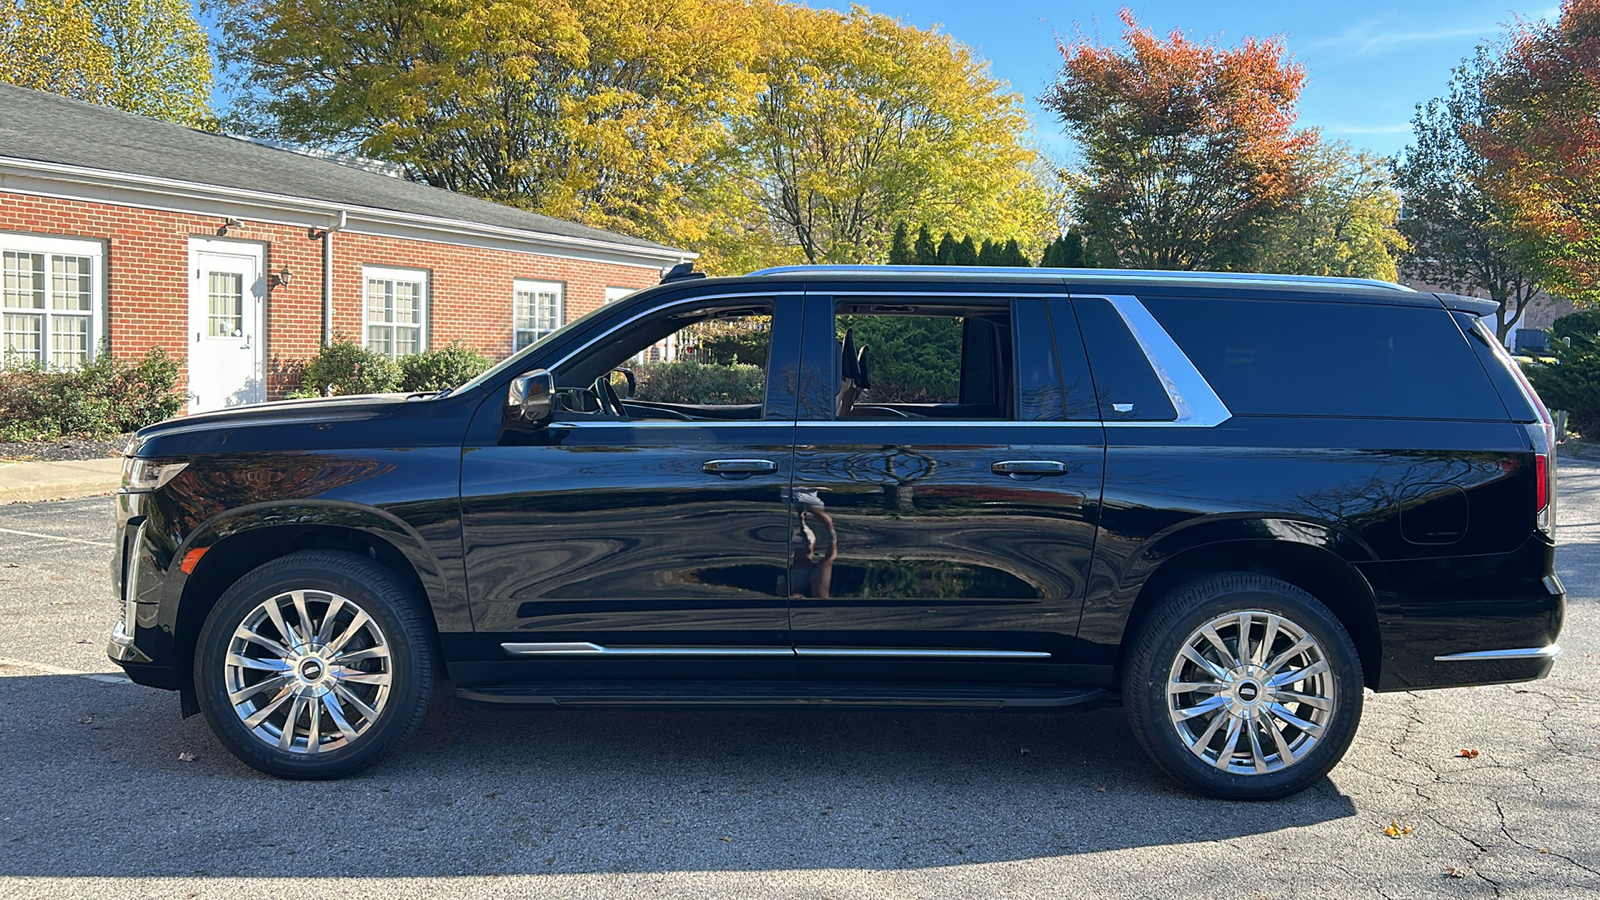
(1541, 468)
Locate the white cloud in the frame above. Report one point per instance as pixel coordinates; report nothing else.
(1381, 34)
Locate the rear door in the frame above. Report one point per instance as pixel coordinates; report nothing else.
(943, 517)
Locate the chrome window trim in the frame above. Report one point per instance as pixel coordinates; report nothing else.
(588, 648)
(1198, 406)
(1549, 652)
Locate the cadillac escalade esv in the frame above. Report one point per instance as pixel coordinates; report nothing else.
(1227, 502)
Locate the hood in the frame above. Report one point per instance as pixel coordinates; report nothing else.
(213, 430)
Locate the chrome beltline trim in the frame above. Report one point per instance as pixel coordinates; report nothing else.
(587, 648)
(1549, 652)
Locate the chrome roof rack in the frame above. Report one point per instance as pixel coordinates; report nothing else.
(1124, 275)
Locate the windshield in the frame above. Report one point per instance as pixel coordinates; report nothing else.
(516, 359)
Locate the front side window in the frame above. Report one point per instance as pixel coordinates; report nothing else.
(396, 310)
(538, 308)
(50, 311)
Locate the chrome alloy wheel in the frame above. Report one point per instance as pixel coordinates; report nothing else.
(1250, 692)
(308, 671)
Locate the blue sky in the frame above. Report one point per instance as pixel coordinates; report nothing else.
(1368, 63)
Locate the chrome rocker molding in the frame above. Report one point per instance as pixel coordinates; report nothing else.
(585, 648)
(1550, 652)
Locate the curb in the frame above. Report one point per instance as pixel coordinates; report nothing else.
(23, 482)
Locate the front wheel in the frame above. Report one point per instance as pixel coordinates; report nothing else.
(1243, 687)
(313, 665)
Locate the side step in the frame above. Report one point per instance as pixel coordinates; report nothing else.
(784, 694)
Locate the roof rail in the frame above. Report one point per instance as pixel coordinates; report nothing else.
(1089, 275)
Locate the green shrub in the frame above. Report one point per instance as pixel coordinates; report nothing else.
(343, 367)
(1572, 383)
(693, 382)
(104, 398)
(447, 367)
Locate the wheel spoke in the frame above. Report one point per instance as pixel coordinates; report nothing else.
(336, 713)
(291, 724)
(1210, 667)
(1267, 639)
(1285, 755)
(1216, 641)
(299, 598)
(358, 655)
(1311, 700)
(1258, 758)
(356, 624)
(245, 693)
(1199, 709)
(1198, 748)
(290, 638)
(1298, 675)
(348, 696)
(314, 730)
(260, 715)
(246, 633)
(356, 676)
(1282, 712)
(1194, 687)
(1299, 647)
(1232, 743)
(326, 631)
(254, 662)
(1241, 651)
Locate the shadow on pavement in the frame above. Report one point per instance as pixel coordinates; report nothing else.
(94, 786)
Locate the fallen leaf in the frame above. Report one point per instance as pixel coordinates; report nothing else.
(1468, 753)
(86, 720)
(727, 840)
(1543, 850)
(1024, 751)
(1100, 790)
(1395, 829)
(186, 756)
(1453, 872)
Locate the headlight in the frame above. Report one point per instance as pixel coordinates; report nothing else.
(140, 475)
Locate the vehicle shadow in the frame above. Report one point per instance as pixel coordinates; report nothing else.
(99, 782)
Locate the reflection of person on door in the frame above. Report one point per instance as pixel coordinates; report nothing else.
(813, 549)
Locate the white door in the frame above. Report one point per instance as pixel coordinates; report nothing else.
(227, 293)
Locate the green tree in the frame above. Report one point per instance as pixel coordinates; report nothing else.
(926, 252)
(900, 247)
(989, 253)
(1454, 228)
(610, 112)
(966, 253)
(1343, 225)
(143, 56)
(866, 121)
(947, 250)
(1186, 145)
(1012, 255)
(1065, 252)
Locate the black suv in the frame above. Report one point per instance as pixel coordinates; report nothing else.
(1228, 502)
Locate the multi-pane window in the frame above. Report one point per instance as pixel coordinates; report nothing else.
(396, 310)
(226, 304)
(49, 293)
(536, 310)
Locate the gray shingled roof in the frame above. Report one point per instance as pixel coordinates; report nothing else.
(44, 127)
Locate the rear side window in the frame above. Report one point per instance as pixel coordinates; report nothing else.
(1125, 385)
(1296, 358)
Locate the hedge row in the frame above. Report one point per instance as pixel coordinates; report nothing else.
(104, 398)
(348, 368)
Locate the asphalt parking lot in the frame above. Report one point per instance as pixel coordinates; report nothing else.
(104, 791)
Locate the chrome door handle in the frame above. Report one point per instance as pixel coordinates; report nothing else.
(1029, 467)
(739, 468)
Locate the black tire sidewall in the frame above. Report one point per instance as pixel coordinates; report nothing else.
(382, 597)
(1144, 683)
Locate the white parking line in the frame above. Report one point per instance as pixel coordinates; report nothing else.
(7, 662)
(56, 537)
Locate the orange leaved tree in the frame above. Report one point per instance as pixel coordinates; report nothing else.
(1187, 145)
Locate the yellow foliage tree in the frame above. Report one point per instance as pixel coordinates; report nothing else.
(143, 56)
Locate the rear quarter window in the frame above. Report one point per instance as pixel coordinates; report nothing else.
(1299, 358)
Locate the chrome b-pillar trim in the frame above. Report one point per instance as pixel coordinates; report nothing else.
(1549, 652)
(1197, 405)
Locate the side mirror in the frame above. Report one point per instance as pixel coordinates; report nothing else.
(531, 398)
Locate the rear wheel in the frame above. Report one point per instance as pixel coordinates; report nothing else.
(1244, 687)
(314, 665)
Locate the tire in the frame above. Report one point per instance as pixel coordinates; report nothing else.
(1237, 735)
(356, 682)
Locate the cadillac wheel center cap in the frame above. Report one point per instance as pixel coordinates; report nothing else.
(311, 669)
(1248, 692)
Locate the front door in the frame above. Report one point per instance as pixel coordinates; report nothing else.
(227, 293)
(947, 503)
(645, 525)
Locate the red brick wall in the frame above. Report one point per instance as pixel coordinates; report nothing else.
(470, 289)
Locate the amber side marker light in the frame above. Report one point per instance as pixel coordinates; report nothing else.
(192, 559)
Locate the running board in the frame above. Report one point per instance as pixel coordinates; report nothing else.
(784, 694)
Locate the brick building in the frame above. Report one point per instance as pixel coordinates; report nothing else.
(241, 259)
